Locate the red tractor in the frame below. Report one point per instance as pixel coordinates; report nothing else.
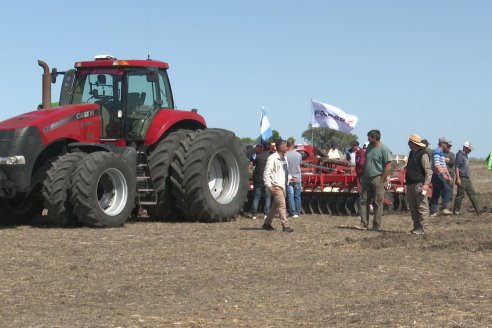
(115, 144)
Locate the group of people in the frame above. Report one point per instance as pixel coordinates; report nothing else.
(277, 176)
(427, 171)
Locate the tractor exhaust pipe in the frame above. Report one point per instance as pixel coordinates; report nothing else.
(46, 85)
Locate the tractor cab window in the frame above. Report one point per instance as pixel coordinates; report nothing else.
(103, 87)
(98, 86)
(144, 99)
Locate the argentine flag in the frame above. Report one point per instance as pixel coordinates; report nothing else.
(265, 129)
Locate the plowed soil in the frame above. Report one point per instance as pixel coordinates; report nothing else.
(325, 274)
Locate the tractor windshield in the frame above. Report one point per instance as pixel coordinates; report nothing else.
(102, 86)
(129, 98)
(98, 86)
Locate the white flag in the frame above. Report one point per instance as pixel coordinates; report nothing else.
(328, 116)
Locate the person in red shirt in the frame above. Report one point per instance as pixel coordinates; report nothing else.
(360, 159)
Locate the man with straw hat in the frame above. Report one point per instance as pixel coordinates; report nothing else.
(418, 177)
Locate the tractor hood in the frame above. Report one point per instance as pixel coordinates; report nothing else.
(45, 118)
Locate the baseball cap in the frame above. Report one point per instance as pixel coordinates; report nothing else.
(445, 140)
(468, 145)
(425, 142)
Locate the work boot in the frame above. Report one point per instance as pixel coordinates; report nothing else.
(446, 211)
(267, 227)
(418, 231)
(287, 229)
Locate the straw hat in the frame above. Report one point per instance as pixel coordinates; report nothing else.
(416, 139)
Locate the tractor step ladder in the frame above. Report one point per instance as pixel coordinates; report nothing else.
(145, 184)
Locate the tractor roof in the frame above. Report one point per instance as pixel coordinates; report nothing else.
(113, 62)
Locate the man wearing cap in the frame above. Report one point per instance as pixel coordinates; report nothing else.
(463, 180)
(418, 177)
(377, 167)
(276, 176)
(440, 178)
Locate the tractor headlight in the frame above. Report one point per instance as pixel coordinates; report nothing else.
(12, 160)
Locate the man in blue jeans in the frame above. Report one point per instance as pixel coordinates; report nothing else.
(260, 190)
(294, 160)
(440, 178)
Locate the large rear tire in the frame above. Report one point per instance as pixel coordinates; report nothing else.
(160, 160)
(210, 175)
(102, 190)
(56, 189)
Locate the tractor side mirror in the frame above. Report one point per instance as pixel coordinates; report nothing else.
(54, 74)
(152, 76)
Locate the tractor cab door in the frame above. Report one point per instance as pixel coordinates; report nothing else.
(146, 95)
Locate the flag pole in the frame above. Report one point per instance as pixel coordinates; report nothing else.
(312, 130)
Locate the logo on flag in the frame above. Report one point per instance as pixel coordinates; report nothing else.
(265, 129)
(329, 116)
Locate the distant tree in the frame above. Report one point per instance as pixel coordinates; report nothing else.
(248, 141)
(322, 137)
(275, 136)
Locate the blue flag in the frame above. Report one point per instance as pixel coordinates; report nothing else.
(265, 129)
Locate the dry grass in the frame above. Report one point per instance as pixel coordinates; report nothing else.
(152, 274)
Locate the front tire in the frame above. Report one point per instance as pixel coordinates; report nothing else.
(210, 175)
(102, 190)
(56, 187)
(21, 209)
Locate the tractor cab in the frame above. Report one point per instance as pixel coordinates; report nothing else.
(129, 92)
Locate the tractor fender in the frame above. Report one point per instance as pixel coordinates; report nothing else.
(127, 154)
(89, 147)
(169, 120)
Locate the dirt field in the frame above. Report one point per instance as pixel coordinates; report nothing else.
(325, 274)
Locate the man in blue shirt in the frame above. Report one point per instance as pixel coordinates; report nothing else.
(463, 180)
(440, 178)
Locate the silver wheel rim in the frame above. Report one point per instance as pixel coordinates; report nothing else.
(223, 176)
(112, 192)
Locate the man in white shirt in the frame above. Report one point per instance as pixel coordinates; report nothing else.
(276, 177)
(334, 152)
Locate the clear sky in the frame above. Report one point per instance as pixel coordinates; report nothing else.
(420, 66)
